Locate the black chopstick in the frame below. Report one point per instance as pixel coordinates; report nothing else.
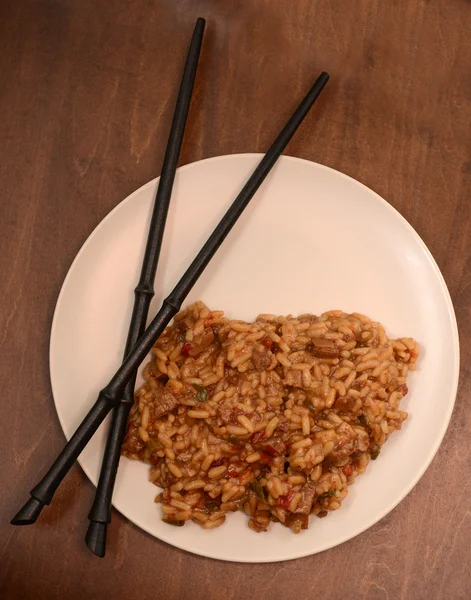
(43, 492)
(100, 513)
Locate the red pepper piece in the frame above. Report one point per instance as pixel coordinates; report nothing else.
(269, 449)
(284, 501)
(258, 436)
(266, 459)
(232, 471)
(347, 470)
(186, 348)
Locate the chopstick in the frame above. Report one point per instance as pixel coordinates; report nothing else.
(100, 513)
(111, 394)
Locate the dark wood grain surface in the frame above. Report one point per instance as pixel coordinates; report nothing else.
(86, 93)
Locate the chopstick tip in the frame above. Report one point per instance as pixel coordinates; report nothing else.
(29, 513)
(96, 538)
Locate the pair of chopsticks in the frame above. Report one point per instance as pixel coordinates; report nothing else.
(119, 392)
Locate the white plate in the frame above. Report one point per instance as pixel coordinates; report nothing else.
(312, 239)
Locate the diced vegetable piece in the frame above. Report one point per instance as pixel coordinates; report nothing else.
(235, 442)
(258, 436)
(284, 501)
(201, 392)
(232, 471)
(326, 495)
(258, 490)
(347, 470)
(187, 346)
(375, 453)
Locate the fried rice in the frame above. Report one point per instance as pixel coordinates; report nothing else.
(275, 418)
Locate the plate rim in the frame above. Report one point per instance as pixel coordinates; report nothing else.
(450, 312)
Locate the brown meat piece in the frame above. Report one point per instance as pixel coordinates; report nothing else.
(293, 378)
(226, 411)
(261, 359)
(274, 446)
(283, 426)
(322, 348)
(207, 340)
(346, 446)
(133, 443)
(308, 495)
(345, 404)
(341, 451)
(297, 521)
(164, 402)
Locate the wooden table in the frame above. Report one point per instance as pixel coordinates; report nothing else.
(86, 97)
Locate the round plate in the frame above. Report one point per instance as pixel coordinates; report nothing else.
(312, 239)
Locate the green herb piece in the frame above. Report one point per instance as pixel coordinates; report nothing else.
(258, 490)
(201, 392)
(235, 442)
(326, 495)
(375, 453)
